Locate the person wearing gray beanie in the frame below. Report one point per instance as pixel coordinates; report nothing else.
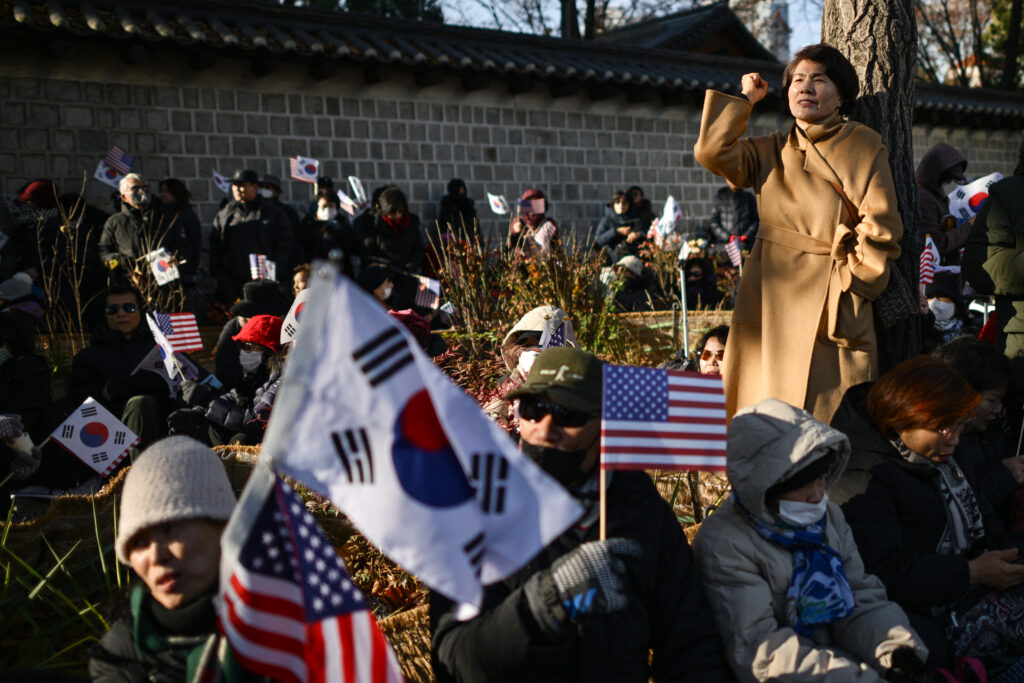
(175, 504)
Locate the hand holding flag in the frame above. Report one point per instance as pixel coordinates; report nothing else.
(93, 435)
(929, 261)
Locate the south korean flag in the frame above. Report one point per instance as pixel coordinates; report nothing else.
(290, 328)
(94, 436)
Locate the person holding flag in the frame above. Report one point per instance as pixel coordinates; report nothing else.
(781, 566)
(585, 609)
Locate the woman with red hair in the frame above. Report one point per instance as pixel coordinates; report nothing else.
(916, 518)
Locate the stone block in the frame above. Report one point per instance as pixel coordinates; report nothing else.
(14, 113)
(450, 112)
(350, 107)
(156, 167)
(183, 167)
(79, 117)
(143, 143)
(342, 128)
(323, 128)
(462, 134)
(157, 120)
(182, 121)
(587, 138)
(424, 151)
(387, 109)
(479, 135)
(294, 147)
(62, 141)
(417, 132)
(203, 122)
(167, 143)
(232, 124)
(63, 91)
(208, 98)
(364, 169)
(194, 144)
(357, 148)
(243, 146)
(247, 100)
(9, 139)
(256, 124)
(268, 147)
(167, 97)
(103, 118)
(333, 105)
(118, 95)
(339, 149)
(35, 140)
(92, 140)
(219, 145)
(360, 129)
(383, 170)
(304, 126)
(129, 118)
(447, 134)
(406, 111)
(59, 166)
(190, 98)
(34, 165)
(142, 95)
(93, 93)
(313, 105)
(280, 125)
(483, 173)
(375, 149)
(368, 109)
(378, 130)
(643, 124)
(397, 130)
(273, 104)
(502, 172)
(226, 100)
(574, 121)
(5, 86)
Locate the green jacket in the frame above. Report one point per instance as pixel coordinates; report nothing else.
(994, 260)
(139, 649)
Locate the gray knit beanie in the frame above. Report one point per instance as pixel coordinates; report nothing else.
(175, 478)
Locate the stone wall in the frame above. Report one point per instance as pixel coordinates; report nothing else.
(58, 118)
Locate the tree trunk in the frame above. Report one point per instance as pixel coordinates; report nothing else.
(590, 21)
(570, 20)
(880, 40)
(1012, 47)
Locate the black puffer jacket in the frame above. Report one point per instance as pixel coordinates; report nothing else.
(24, 378)
(382, 247)
(457, 214)
(733, 214)
(191, 233)
(667, 612)
(109, 356)
(931, 173)
(243, 228)
(132, 233)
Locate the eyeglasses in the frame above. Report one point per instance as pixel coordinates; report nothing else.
(954, 430)
(707, 353)
(534, 410)
(112, 309)
(139, 189)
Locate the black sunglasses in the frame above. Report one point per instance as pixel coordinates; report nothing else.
(532, 410)
(111, 309)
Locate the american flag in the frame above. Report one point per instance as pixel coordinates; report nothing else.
(181, 331)
(544, 234)
(555, 333)
(118, 160)
(289, 609)
(428, 294)
(262, 268)
(662, 419)
(929, 260)
(735, 255)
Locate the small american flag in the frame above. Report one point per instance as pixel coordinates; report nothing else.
(289, 609)
(181, 331)
(662, 419)
(554, 333)
(929, 260)
(118, 160)
(262, 268)
(732, 247)
(544, 234)
(428, 294)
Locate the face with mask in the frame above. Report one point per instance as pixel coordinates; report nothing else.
(942, 308)
(138, 194)
(250, 356)
(325, 211)
(805, 505)
(265, 192)
(564, 442)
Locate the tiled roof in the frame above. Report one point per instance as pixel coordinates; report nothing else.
(267, 32)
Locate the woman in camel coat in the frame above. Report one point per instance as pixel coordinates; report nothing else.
(803, 330)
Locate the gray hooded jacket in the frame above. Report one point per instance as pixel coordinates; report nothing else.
(746, 577)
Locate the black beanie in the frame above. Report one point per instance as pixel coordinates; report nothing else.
(819, 468)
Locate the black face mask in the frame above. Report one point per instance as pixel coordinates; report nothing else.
(562, 465)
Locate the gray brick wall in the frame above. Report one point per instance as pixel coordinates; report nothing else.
(187, 125)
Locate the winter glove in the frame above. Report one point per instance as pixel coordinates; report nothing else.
(187, 421)
(26, 463)
(590, 580)
(196, 394)
(907, 667)
(119, 389)
(11, 427)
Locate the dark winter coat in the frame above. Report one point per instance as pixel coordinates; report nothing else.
(667, 612)
(132, 233)
(153, 644)
(245, 410)
(934, 203)
(226, 366)
(643, 213)
(25, 377)
(457, 214)
(319, 238)
(733, 214)
(607, 232)
(703, 294)
(191, 234)
(980, 455)
(382, 247)
(638, 293)
(243, 228)
(992, 259)
(108, 361)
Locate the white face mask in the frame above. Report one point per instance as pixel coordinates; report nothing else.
(250, 360)
(526, 359)
(265, 192)
(387, 293)
(326, 213)
(802, 514)
(942, 310)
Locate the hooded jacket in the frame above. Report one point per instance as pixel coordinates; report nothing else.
(934, 203)
(746, 577)
(132, 233)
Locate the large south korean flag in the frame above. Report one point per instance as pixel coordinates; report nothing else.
(366, 418)
(93, 435)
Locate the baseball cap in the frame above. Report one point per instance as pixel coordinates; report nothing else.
(566, 376)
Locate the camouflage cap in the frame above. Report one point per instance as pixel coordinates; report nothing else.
(566, 376)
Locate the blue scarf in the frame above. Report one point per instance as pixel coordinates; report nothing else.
(819, 592)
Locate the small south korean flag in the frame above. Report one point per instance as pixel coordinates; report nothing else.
(290, 327)
(305, 169)
(163, 266)
(93, 435)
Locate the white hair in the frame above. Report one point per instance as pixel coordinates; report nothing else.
(126, 182)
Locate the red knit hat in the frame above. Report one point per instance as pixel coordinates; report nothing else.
(41, 193)
(264, 330)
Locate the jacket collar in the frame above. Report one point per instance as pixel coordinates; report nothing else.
(815, 140)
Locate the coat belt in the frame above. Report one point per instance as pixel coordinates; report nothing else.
(793, 239)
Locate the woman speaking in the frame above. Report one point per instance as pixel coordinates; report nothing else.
(803, 330)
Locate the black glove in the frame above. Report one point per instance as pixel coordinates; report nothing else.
(588, 581)
(120, 389)
(189, 422)
(196, 394)
(11, 427)
(906, 667)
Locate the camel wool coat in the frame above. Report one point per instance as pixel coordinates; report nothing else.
(803, 330)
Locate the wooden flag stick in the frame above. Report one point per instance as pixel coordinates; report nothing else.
(1020, 438)
(602, 507)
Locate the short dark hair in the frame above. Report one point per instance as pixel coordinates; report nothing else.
(921, 393)
(721, 333)
(983, 365)
(391, 200)
(619, 196)
(329, 195)
(177, 189)
(837, 68)
(114, 290)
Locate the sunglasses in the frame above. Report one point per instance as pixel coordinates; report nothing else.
(707, 353)
(138, 189)
(534, 410)
(112, 309)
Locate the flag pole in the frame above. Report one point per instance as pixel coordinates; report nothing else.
(1020, 438)
(602, 507)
